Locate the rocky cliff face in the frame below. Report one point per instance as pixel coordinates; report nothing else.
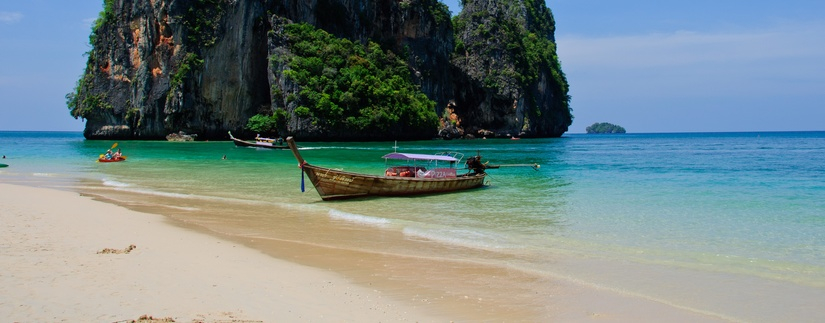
(202, 66)
(509, 81)
(156, 69)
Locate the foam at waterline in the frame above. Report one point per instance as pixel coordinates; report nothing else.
(127, 202)
(132, 189)
(461, 238)
(107, 182)
(183, 208)
(358, 218)
(158, 193)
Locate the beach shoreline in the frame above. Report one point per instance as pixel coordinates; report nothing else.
(672, 243)
(66, 260)
(185, 272)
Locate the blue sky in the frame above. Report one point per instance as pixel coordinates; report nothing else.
(650, 66)
(43, 44)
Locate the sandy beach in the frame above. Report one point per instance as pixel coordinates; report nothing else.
(67, 258)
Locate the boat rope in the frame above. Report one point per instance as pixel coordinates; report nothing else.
(534, 166)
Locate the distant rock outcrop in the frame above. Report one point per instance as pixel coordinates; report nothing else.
(604, 127)
(203, 66)
(180, 136)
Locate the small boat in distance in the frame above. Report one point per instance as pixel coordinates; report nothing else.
(111, 160)
(110, 157)
(260, 142)
(440, 177)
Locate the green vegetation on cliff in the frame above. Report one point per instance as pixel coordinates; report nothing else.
(604, 127)
(105, 16)
(81, 103)
(346, 86)
(267, 124)
(525, 42)
(202, 22)
(507, 48)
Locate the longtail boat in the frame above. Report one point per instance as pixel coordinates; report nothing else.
(437, 174)
(260, 142)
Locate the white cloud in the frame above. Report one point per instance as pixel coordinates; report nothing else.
(10, 17)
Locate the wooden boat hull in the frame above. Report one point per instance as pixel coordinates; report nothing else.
(334, 184)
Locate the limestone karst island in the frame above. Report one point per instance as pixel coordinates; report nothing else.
(336, 70)
(604, 127)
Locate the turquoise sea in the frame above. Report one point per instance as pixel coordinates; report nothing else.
(731, 225)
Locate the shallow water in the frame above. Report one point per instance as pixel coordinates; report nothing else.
(693, 220)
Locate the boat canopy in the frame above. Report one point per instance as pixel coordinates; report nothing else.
(420, 157)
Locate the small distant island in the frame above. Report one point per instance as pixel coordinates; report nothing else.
(604, 127)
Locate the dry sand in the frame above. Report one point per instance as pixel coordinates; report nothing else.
(68, 258)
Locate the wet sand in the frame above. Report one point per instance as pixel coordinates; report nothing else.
(190, 263)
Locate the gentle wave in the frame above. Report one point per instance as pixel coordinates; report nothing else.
(184, 208)
(131, 189)
(358, 218)
(159, 193)
(461, 238)
(112, 183)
